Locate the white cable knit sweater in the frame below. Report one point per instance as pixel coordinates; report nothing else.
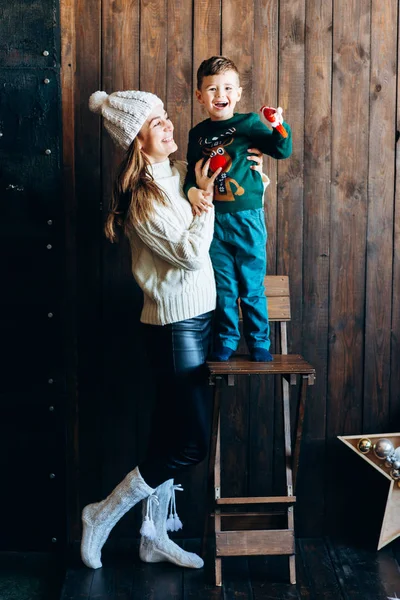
(170, 259)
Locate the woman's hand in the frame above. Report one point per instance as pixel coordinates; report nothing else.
(204, 182)
(257, 157)
(200, 197)
(200, 201)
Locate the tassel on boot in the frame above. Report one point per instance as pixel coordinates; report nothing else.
(148, 529)
(173, 522)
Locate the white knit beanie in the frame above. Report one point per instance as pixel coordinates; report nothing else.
(124, 113)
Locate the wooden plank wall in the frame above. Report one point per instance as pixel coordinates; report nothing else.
(333, 223)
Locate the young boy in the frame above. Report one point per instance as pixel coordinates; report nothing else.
(238, 249)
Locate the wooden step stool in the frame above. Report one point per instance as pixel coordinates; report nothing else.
(251, 542)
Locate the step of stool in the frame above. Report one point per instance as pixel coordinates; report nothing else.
(254, 543)
(258, 500)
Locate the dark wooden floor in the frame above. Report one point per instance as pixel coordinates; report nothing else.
(31, 576)
(326, 570)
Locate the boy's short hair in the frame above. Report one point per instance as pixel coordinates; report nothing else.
(214, 66)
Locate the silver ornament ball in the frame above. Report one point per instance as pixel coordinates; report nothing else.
(395, 455)
(383, 448)
(396, 464)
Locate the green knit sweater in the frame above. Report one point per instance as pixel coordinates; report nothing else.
(237, 187)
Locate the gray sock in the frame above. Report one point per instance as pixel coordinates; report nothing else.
(155, 545)
(98, 519)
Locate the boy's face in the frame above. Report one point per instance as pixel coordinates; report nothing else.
(219, 95)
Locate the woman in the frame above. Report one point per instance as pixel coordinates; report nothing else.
(171, 264)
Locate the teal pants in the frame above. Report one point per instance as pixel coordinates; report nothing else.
(238, 254)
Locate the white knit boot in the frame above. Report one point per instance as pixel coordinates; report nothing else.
(98, 519)
(155, 545)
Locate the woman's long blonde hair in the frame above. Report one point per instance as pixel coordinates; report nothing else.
(134, 194)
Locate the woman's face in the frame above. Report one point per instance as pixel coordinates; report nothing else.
(156, 138)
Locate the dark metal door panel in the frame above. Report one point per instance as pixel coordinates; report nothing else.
(29, 33)
(33, 477)
(32, 276)
(32, 347)
(30, 129)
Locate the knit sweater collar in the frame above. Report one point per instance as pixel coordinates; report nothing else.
(160, 170)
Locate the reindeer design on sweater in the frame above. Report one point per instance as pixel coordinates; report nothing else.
(216, 150)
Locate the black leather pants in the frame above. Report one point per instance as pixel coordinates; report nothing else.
(182, 416)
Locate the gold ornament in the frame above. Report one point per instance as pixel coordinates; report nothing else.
(364, 445)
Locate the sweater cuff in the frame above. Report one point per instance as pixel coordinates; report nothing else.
(285, 125)
(204, 221)
(266, 180)
(205, 217)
